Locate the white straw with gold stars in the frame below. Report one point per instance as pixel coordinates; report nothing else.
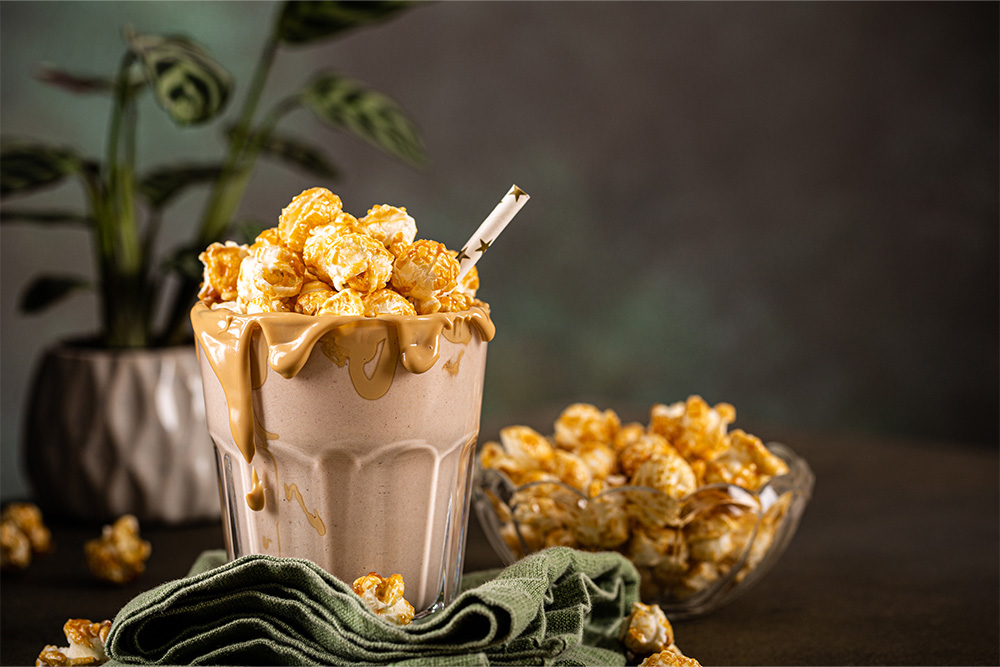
(480, 242)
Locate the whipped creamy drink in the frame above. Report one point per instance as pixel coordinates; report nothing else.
(347, 440)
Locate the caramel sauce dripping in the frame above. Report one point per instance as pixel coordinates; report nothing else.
(238, 346)
(292, 490)
(255, 499)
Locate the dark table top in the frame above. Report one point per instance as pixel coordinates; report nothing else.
(896, 562)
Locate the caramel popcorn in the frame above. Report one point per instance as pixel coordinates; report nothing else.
(320, 260)
(582, 423)
(15, 547)
(670, 657)
(384, 597)
(119, 555)
(222, 270)
(309, 209)
(647, 630)
(390, 226)
(86, 644)
(28, 518)
(645, 491)
(387, 302)
(423, 270)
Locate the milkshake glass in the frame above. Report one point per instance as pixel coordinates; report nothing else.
(348, 441)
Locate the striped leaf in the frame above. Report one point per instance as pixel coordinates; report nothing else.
(29, 166)
(299, 154)
(40, 217)
(187, 82)
(47, 290)
(366, 113)
(304, 21)
(162, 185)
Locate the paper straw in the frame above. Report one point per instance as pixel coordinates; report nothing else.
(480, 242)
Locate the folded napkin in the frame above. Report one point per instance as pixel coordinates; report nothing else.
(559, 606)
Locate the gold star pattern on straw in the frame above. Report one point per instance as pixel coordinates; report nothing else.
(461, 255)
(517, 192)
(484, 246)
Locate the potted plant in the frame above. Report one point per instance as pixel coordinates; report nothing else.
(115, 420)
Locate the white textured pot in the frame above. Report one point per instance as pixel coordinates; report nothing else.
(110, 432)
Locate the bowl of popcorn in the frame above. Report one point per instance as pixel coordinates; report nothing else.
(701, 510)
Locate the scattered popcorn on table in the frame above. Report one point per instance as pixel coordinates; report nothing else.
(86, 644)
(644, 491)
(28, 518)
(15, 547)
(119, 555)
(321, 260)
(671, 657)
(384, 597)
(646, 630)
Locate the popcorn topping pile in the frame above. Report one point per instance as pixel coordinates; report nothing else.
(384, 597)
(86, 644)
(22, 534)
(321, 260)
(119, 555)
(679, 549)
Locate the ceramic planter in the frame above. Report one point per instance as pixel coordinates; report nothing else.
(110, 432)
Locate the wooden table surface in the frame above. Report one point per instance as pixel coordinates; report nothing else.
(896, 562)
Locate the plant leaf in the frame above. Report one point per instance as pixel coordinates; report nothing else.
(45, 217)
(187, 81)
(366, 113)
(303, 21)
(80, 84)
(245, 231)
(47, 290)
(299, 154)
(162, 185)
(28, 166)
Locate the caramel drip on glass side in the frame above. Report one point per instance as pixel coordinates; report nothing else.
(255, 499)
(235, 346)
(314, 519)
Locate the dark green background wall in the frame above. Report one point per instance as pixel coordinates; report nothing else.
(790, 207)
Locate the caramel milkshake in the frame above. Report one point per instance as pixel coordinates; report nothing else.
(346, 440)
(343, 366)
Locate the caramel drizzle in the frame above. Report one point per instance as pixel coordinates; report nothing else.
(228, 342)
(312, 517)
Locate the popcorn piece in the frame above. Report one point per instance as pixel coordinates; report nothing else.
(670, 657)
(422, 271)
(452, 302)
(390, 226)
(15, 547)
(747, 463)
(711, 536)
(603, 523)
(314, 292)
(221, 271)
(345, 302)
(86, 644)
(646, 447)
(309, 209)
(571, 469)
(387, 302)
(694, 428)
(384, 597)
(647, 630)
(659, 548)
(670, 474)
(582, 423)
(627, 435)
(599, 458)
(269, 236)
(268, 279)
(119, 555)
(28, 518)
(352, 260)
(527, 447)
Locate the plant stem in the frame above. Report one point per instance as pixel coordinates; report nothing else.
(228, 189)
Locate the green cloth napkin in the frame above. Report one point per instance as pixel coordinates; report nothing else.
(559, 606)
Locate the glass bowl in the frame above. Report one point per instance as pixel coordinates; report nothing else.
(693, 554)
